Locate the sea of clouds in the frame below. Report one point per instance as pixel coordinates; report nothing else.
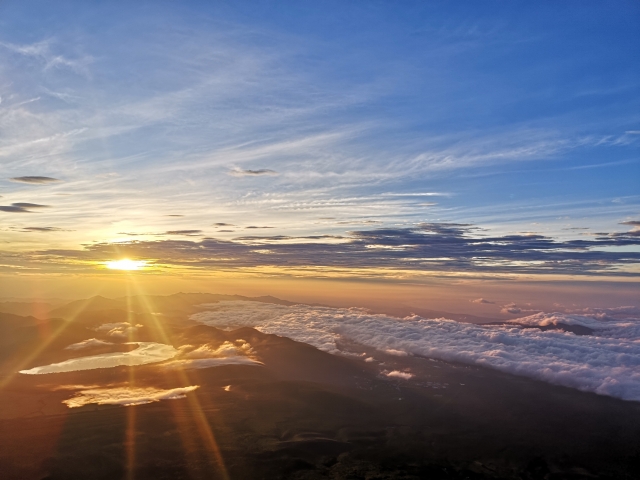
(607, 362)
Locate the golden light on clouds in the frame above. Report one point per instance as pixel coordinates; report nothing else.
(125, 264)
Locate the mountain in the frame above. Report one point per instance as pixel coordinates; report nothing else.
(300, 413)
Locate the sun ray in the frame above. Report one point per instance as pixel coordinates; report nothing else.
(130, 435)
(199, 418)
(46, 342)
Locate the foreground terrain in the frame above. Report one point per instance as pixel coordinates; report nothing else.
(267, 407)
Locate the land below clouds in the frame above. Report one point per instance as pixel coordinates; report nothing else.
(303, 413)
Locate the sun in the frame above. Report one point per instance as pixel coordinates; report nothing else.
(125, 264)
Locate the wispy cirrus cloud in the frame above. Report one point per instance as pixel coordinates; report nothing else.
(302, 141)
(43, 51)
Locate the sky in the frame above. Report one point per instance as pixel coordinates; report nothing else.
(427, 150)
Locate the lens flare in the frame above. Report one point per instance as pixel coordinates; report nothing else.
(126, 264)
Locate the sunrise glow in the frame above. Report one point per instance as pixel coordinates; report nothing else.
(125, 264)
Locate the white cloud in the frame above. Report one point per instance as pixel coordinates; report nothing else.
(126, 396)
(511, 308)
(606, 363)
(482, 300)
(397, 353)
(92, 342)
(211, 362)
(205, 356)
(147, 352)
(226, 349)
(399, 374)
(118, 330)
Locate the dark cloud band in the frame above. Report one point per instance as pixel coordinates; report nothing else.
(35, 180)
(427, 247)
(21, 207)
(239, 172)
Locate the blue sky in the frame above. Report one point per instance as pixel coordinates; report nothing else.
(316, 118)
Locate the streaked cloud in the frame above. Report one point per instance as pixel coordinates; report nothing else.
(22, 207)
(188, 233)
(126, 396)
(239, 172)
(43, 51)
(92, 342)
(35, 180)
(43, 229)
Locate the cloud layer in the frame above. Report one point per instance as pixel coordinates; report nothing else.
(607, 362)
(147, 352)
(92, 342)
(126, 396)
(443, 247)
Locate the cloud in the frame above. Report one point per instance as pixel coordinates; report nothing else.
(606, 362)
(632, 132)
(482, 300)
(226, 349)
(358, 222)
(43, 52)
(206, 356)
(118, 330)
(34, 180)
(397, 353)
(189, 233)
(628, 312)
(253, 226)
(239, 172)
(44, 229)
(219, 224)
(511, 308)
(545, 319)
(147, 352)
(92, 342)
(21, 207)
(635, 223)
(443, 247)
(398, 374)
(126, 396)
(211, 362)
